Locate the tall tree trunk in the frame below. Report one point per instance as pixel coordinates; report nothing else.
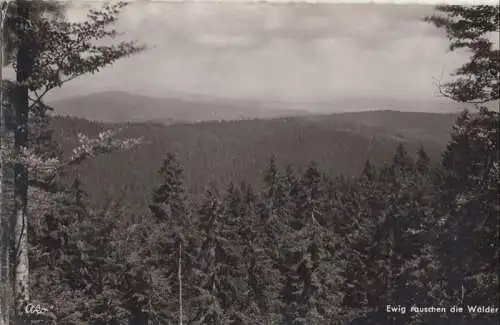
(24, 71)
(4, 256)
(6, 207)
(4, 268)
(4, 225)
(4, 219)
(179, 274)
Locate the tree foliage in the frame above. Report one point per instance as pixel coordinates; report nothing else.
(473, 28)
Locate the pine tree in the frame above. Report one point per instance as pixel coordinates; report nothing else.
(254, 284)
(310, 258)
(75, 265)
(133, 273)
(391, 251)
(469, 28)
(468, 241)
(275, 208)
(95, 272)
(169, 198)
(308, 197)
(51, 250)
(273, 211)
(423, 161)
(170, 228)
(402, 162)
(368, 171)
(469, 190)
(358, 207)
(274, 203)
(218, 268)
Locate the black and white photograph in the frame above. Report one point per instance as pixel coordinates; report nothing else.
(241, 162)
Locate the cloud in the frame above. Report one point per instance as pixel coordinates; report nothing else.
(306, 52)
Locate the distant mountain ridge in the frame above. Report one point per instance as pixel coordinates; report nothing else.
(122, 107)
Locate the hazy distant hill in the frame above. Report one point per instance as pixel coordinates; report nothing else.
(433, 127)
(239, 150)
(122, 107)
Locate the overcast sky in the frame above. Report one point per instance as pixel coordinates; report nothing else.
(297, 52)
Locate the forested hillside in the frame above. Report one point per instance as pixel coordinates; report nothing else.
(301, 248)
(237, 151)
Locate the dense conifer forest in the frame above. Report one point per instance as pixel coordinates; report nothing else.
(302, 248)
(351, 224)
(238, 151)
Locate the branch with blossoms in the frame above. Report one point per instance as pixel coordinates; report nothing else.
(87, 148)
(105, 142)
